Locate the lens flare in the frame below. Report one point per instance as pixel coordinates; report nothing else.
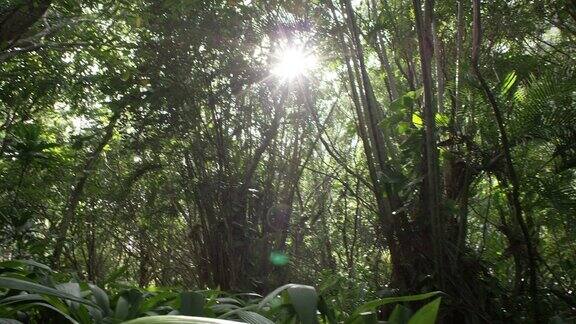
(293, 62)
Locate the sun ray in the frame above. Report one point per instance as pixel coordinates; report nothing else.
(293, 62)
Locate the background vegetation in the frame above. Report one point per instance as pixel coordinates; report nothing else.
(147, 148)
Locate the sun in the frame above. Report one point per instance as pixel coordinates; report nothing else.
(293, 62)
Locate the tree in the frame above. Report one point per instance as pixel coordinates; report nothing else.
(371, 148)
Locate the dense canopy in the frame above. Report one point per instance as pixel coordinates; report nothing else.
(160, 157)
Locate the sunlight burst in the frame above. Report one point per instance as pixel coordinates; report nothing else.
(293, 62)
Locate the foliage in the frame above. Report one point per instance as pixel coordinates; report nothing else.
(33, 294)
(372, 149)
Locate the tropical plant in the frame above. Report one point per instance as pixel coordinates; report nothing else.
(34, 293)
(369, 148)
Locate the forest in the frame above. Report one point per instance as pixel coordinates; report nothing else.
(287, 161)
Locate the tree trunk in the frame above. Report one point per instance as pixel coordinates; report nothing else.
(78, 188)
(431, 191)
(511, 172)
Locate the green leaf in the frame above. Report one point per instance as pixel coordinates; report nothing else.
(397, 105)
(417, 121)
(224, 308)
(101, 299)
(369, 318)
(372, 305)
(326, 311)
(21, 298)
(235, 310)
(191, 303)
(116, 274)
(9, 321)
(71, 288)
(30, 305)
(305, 301)
(36, 264)
(393, 176)
(148, 304)
(272, 295)
(508, 82)
(441, 119)
(253, 318)
(408, 100)
(400, 315)
(22, 285)
(16, 264)
(178, 319)
(229, 300)
(405, 102)
(427, 314)
(128, 304)
(403, 127)
(122, 308)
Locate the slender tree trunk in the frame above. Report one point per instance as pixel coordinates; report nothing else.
(511, 172)
(352, 254)
(387, 199)
(390, 77)
(92, 252)
(380, 48)
(432, 182)
(439, 68)
(459, 50)
(373, 116)
(78, 188)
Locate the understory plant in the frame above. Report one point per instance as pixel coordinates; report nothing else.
(31, 292)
